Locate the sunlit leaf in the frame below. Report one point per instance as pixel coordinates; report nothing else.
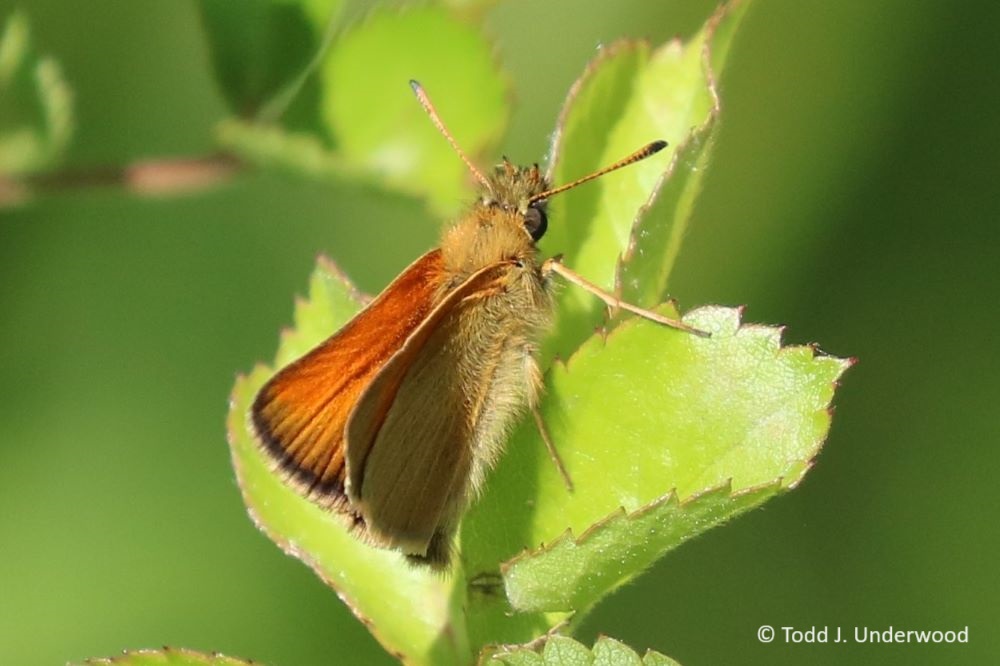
(665, 434)
(36, 105)
(635, 416)
(564, 651)
(167, 657)
(624, 230)
(375, 120)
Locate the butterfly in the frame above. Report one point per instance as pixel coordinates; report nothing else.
(394, 421)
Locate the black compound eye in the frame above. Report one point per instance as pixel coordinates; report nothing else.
(535, 222)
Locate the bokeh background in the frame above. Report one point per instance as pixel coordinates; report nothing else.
(853, 197)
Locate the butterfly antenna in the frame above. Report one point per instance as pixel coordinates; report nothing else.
(641, 154)
(425, 102)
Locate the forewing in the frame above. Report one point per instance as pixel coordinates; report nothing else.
(301, 413)
(409, 452)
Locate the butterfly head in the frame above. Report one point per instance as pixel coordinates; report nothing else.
(515, 190)
(519, 194)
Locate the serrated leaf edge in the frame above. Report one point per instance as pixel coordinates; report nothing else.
(286, 545)
(604, 54)
(605, 336)
(326, 264)
(166, 651)
(492, 650)
(622, 514)
(537, 646)
(693, 135)
(330, 266)
(696, 134)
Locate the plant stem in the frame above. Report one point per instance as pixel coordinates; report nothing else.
(153, 177)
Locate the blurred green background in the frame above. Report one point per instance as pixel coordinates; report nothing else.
(853, 197)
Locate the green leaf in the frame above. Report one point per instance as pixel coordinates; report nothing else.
(637, 415)
(409, 610)
(652, 658)
(167, 657)
(609, 652)
(372, 126)
(259, 47)
(658, 230)
(665, 434)
(564, 651)
(574, 573)
(36, 105)
(379, 126)
(274, 147)
(629, 96)
(522, 657)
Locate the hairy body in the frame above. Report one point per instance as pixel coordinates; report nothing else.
(395, 419)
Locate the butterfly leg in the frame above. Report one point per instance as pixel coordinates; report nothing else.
(553, 453)
(554, 265)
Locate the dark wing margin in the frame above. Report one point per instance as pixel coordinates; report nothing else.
(300, 414)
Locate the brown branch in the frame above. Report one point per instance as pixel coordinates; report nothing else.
(153, 178)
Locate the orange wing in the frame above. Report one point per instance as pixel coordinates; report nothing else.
(409, 435)
(301, 412)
